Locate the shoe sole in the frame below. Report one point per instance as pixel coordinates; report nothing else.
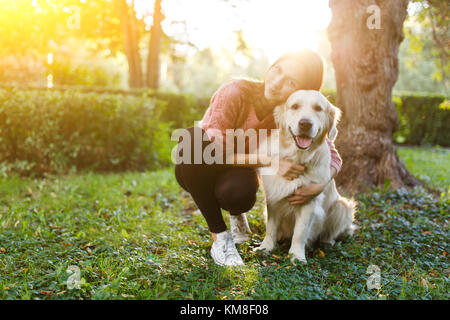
(241, 238)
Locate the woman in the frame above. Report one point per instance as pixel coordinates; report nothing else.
(247, 104)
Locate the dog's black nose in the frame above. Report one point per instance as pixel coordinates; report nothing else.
(305, 125)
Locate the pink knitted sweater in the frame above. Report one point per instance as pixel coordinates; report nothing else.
(229, 110)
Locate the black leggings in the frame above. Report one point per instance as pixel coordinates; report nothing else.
(215, 186)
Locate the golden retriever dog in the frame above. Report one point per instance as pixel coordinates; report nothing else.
(304, 122)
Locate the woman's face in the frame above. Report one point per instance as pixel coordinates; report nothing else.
(280, 81)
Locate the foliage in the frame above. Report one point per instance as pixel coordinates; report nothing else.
(182, 110)
(66, 73)
(417, 68)
(432, 16)
(36, 28)
(422, 119)
(57, 131)
(137, 236)
(48, 132)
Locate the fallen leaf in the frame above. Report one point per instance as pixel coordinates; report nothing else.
(47, 293)
(66, 243)
(320, 253)
(434, 273)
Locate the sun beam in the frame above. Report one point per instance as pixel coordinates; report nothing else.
(274, 26)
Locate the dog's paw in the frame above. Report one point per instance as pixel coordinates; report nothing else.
(298, 259)
(263, 249)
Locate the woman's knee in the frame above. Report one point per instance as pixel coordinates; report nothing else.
(236, 192)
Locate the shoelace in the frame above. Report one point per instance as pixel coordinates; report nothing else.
(230, 249)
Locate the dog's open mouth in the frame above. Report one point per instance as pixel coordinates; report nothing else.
(302, 141)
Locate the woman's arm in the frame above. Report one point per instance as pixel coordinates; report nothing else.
(306, 193)
(286, 168)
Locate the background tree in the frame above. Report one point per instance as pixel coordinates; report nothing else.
(131, 38)
(365, 60)
(154, 47)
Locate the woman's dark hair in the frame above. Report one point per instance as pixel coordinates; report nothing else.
(310, 78)
(312, 68)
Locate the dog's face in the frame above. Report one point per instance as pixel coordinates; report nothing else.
(308, 117)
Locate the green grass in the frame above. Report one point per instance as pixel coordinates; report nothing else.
(138, 236)
(431, 165)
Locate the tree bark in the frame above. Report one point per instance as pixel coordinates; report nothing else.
(154, 48)
(131, 43)
(366, 65)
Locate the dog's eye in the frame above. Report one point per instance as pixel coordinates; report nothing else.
(295, 106)
(317, 108)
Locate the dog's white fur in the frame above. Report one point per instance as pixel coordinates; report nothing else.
(327, 216)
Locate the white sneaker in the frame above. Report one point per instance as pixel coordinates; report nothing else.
(224, 252)
(240, 228)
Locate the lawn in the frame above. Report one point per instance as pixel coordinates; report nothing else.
(138, 236)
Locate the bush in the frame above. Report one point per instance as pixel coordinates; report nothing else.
(182, 109)
(54, 131)
(424, 119)
(44, 131)
(66, 73)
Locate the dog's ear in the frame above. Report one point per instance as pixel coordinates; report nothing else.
(334, 115)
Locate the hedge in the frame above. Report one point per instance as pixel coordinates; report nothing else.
(424, 119)
(57, 131)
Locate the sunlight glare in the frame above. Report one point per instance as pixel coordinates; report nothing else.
(275, 26)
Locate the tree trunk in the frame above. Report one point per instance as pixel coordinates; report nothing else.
(365, 59)
(154, 48)
(131, 43)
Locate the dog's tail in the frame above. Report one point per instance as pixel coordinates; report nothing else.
(339, 220)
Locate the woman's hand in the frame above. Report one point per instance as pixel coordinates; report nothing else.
(289, 170)
(305, 193)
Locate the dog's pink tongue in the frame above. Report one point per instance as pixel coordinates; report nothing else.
(303, 142)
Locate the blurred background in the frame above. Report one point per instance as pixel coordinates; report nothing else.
(197, 45)
(101, 84)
